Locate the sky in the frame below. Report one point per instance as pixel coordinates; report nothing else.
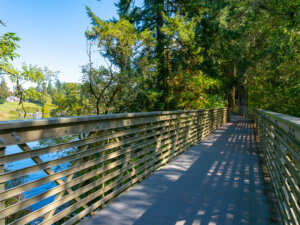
(52, 32)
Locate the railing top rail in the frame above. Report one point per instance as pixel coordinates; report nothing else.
(288, 124)
(78, 119)
(106, 156)
(23, 131)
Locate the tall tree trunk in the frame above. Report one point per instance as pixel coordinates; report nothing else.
(231, 94)
(98, 106)
(231, 98)
(162, 72)
(243, 94)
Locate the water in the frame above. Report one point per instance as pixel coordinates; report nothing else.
(29, 162)
(6, 117)
(36, 175)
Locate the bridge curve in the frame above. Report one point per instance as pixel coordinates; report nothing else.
(217, 181)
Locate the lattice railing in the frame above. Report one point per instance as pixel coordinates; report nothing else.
(60, 170)
(279, 136)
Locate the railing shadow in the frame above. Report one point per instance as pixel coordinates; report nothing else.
(218, 181)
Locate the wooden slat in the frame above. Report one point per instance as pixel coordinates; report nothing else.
(52, 149)
(21, 172)
(71, 208)
(67, 198)
(61, 147)
(2, 185)
(30, 134)
(282, 165)
(12, 192)
(138, 143)
(25, 187)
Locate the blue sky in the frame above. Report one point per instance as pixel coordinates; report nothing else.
(52, 32)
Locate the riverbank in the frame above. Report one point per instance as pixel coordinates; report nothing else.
(14, 107)
(13, 111)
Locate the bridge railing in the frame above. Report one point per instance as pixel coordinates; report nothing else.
(60, 170)
(279, 137)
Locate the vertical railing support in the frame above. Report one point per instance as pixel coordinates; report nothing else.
(2, 185)
(120, 150)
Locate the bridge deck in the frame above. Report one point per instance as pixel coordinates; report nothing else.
(218, 181)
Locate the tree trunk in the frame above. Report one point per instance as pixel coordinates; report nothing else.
(22, 103)
(162, 72)
(231, 94)
(98, 106)
(231, 99)
(243, 94)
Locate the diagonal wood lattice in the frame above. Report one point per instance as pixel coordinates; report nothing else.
(119, 150)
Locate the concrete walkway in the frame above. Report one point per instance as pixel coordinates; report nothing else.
(218, 181)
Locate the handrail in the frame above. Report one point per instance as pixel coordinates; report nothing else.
(101, 157)
(288, 124)
(10, 124)
(279, 136)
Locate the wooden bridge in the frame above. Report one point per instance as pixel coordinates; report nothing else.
(192, 167)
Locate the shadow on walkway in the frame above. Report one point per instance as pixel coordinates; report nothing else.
(218, 181)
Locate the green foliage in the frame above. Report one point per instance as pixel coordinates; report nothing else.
(4, 92)
(194, 94)
(32, 94)
(71, 101)
(28, 73)
(114, 88)
(119, 41)
(177, 54)
(8, 47)
(46, 109)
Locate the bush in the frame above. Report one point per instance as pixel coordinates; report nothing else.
(46, 109)
(2, 101)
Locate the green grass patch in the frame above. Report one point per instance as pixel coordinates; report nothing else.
(14, 107)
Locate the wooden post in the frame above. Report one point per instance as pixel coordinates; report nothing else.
(2, 185)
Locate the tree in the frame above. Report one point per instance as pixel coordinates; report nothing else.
(150, 17)
(32, 94)
(8, 47)
(4, 92)
(202, 53)
(28, 74)
(121, 45)
(32, 74)
(71, 101)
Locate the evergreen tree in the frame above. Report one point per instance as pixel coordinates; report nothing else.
(150, 16)
(4, 92)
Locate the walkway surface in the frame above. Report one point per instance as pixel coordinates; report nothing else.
(218, 181)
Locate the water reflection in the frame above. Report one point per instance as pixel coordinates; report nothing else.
(6, 117)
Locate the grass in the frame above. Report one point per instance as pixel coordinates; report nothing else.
(14, 107)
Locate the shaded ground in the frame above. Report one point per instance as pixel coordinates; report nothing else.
(218, 181)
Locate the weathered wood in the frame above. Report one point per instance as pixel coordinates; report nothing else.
(46, 150)
(122, 149)
(68, 184)
(2, 185)
(45, 165)
(34, 133)
(280, 137)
